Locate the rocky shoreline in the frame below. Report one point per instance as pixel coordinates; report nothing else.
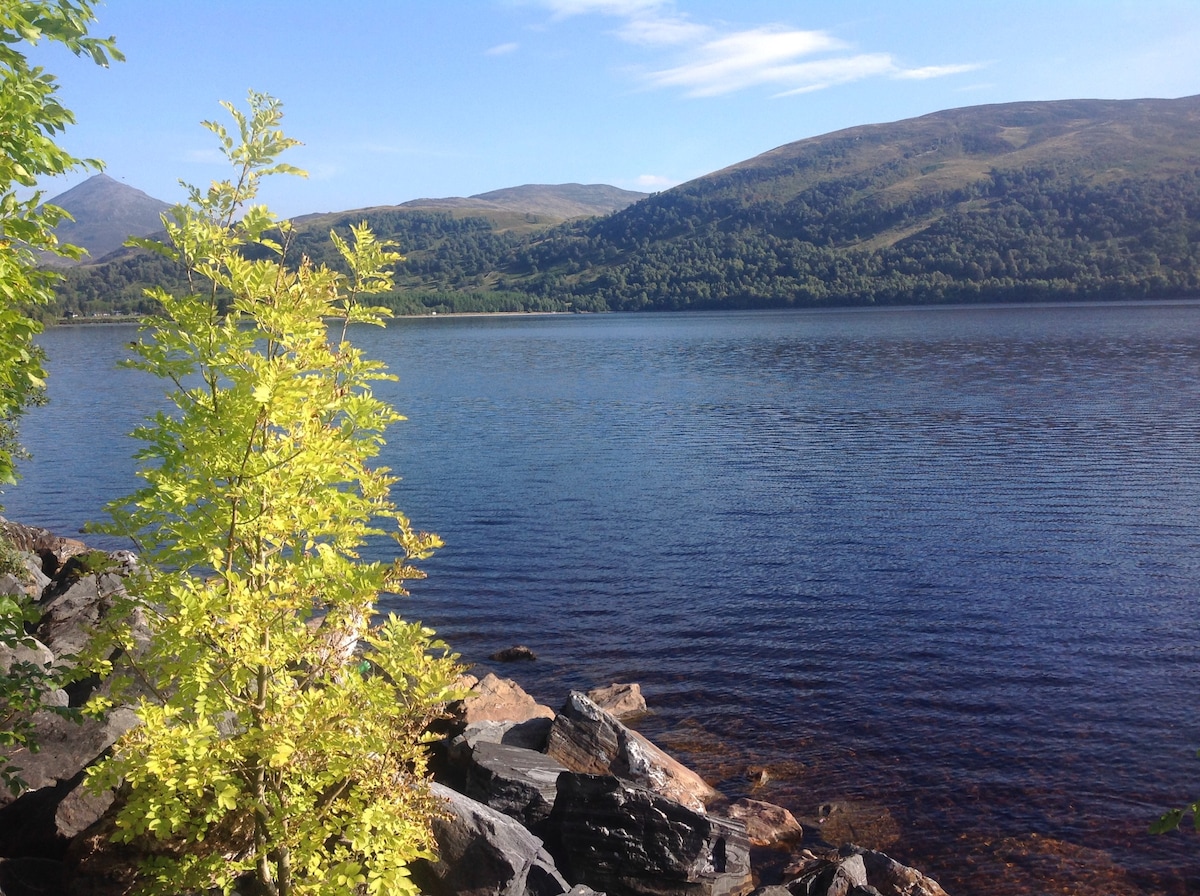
(538, 802)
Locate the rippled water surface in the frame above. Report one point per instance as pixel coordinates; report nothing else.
(938, 569)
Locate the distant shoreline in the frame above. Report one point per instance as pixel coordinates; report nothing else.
(931, 306)
(136, 318)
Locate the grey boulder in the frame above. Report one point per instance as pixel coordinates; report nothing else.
(484, 853)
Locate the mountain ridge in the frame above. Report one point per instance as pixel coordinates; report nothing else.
(1069, 199)
(548, 203)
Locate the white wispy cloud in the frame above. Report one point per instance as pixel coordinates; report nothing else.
(662, 30)
(806, 77)
(736, 61)
(935, 71)
(650, 22)
(715, 60)
(501, 49)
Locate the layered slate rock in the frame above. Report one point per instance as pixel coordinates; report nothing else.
(589, 740)
(31, 583)
(74, 604)
(53, 550)
(518, 782)
(484, 853)
(629, 841)
(891, 877)
(835, 876)
(55, 806)
(531, 734)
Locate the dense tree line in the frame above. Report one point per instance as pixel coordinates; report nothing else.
(1021, 234)
(449, 266)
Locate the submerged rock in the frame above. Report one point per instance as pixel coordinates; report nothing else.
(517, 654)
(621, 701)
(766, 824)
(855, 821)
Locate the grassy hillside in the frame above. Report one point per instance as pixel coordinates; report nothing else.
(563, 201)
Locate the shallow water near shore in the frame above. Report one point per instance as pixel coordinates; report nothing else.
(935, 568)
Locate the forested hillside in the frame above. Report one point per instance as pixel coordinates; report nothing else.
(1031, 200)
(1057, 200)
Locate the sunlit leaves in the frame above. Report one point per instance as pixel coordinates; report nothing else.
(288, 737)
(31, 121)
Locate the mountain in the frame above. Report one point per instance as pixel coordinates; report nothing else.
(451, 247)
(1104, 139)
(1055, 200)
(106, 213)
(1073, 199)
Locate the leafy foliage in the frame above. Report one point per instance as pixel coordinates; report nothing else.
(1171, 820)
(31, 120)
(271, 745)
(1014, 235)
(22, 687)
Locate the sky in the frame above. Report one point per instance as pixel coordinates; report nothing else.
(396, 100)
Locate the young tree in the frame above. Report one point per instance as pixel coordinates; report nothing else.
(271, 745)
(31, 120)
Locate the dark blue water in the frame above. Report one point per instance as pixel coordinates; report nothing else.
(939, 566)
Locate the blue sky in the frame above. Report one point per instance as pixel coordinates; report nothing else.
(405, 99)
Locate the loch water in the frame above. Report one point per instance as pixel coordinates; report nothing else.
(936, 571)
